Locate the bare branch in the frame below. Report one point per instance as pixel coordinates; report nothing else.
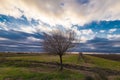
(58, 42)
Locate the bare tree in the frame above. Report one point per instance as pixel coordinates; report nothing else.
(58, 42)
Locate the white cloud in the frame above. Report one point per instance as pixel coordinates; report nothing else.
(102, 31)
(1, 38)
(86, 35)
(3, 26)
(86, 32)
(72, 12)
(27, 29)
(33, 39)
(53, 13)
(114, 37)
(9, 7)
(43, 28)
(83, 39)
(116, 45)
(112, 30)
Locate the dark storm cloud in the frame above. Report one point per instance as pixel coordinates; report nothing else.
(17, 35)
(20, 46)
(100, 45)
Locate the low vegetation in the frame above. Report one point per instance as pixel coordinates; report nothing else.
(115, 57)
(45, 67)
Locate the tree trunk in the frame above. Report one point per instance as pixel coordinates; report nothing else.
(61, 64)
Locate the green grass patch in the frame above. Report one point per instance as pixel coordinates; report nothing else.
(24, 67)
(104, 63)
(73, 59)
(13, 73)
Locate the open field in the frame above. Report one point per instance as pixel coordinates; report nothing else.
(46, 67)
(108, 56)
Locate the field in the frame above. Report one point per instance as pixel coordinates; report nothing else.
(31, 66)
(115, 57)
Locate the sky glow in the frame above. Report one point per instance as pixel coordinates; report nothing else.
(96, 22)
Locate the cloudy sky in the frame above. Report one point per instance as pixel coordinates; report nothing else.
(96, 22)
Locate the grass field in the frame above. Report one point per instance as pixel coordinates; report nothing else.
(46, 67)
(115, 57)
